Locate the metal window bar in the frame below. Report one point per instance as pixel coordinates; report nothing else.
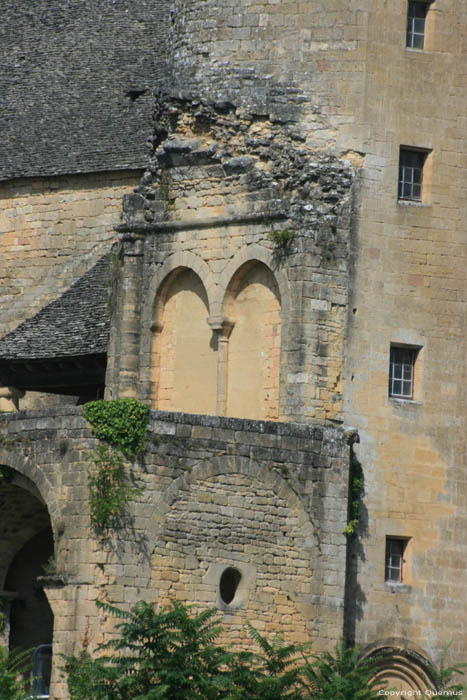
(41, 670)
(416, 19)
(410, 174)
(401, 373)
(394, 560)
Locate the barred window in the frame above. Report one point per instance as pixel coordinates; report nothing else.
(401, 372)
(411, 173)
(416, 20)
(395, 548)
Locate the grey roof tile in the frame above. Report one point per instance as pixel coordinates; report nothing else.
(76, 83)
(75, 324)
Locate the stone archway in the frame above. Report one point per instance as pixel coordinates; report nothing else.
(184, 357)
(253, 305)
(232, 525)
(402, 668)
(26, 547)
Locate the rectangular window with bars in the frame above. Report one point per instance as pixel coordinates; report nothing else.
(411, 164)
(416, 24)
(395, 549)
(401, 372)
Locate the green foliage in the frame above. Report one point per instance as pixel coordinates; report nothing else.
(169, 655)
(341, 677)
(12, 664)
(122, 423)
(443, 676)
(357, 488)
(173, 655)
(109, 489)
(273, 674)
(282, 238)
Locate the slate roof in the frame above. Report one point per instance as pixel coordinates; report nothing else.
(71, 77)
(75, 324)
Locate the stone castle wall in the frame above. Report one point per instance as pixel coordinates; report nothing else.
(269, 499)
(52, 230)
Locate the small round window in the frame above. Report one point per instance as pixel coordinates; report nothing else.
(228, 584)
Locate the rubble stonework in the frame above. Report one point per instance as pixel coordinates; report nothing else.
(268, 498)
(265, 266)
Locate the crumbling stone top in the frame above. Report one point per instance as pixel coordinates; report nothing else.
(77, 323)
(75, 84)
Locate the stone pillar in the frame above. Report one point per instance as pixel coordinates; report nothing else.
(223, 328)
(122, 378)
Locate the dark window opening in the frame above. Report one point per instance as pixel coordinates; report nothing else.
(401, 372)
(395, 548)
(416, 21)
(41, 671)
(411, 164)
(228, 584)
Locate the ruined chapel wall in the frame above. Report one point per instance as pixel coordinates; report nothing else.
(267, 498)
(235, 160)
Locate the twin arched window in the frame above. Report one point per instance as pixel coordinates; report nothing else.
(232, 370)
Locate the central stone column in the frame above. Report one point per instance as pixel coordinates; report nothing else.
(222, 327)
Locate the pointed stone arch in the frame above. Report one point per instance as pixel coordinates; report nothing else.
(252, 304)
(249, 254)
(232, 513)
(402, 666)
(184, 354)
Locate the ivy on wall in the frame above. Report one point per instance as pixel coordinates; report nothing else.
(121, 425)
(357, 488)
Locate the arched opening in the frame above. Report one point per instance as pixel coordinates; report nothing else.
(31, 619)
(228, 584)
(184, 363)
(400, 668)
(254, 346)
(26, 546)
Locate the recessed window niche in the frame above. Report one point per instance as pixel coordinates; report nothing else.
(228, 584)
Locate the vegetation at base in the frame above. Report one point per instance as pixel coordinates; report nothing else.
(357, 488)
(443, 676)
(122, 424)
(12, 663)
(343, 676)
(174, 655)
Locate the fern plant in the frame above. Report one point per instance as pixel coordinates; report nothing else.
(12, 665)
(341, 677)
(272, 674)
(169, 655)
(442, 676)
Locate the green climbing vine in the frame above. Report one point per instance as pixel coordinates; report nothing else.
(121, 425)
(357, 488)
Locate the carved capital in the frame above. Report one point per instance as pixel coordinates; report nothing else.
(221, 325)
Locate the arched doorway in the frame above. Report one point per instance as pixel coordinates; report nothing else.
(26, 547)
